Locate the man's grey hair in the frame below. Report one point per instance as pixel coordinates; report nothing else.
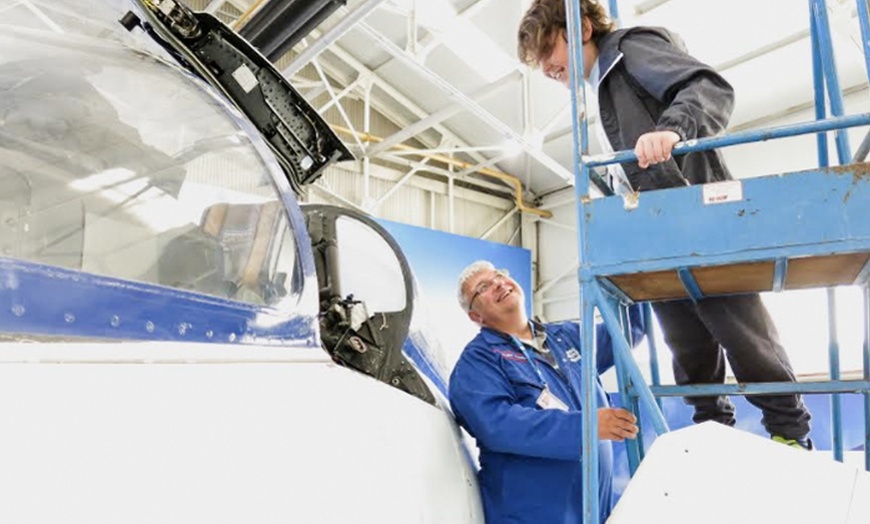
(467, 273)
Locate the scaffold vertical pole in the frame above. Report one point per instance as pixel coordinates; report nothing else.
(591, 510)
(866, 348)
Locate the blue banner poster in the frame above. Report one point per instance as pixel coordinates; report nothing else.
(437, 258)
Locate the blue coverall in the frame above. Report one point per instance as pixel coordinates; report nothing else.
(530, 458)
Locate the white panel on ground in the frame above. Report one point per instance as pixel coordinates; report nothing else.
(859, 512)
(714, 474)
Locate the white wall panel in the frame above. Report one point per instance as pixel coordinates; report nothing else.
(474, 219)
(557, 256)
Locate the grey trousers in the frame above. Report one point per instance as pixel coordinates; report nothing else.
(701, 335)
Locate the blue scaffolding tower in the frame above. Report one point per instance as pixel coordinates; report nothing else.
(787, 231)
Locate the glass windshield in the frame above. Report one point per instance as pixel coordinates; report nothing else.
(113, 163)
(368, 267)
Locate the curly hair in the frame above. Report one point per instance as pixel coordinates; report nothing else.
(546, 19)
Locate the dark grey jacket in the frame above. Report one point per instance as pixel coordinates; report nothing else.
(649, 82)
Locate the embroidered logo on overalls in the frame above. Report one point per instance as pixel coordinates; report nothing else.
(511, 355)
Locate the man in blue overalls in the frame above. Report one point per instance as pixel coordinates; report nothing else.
(516, 390)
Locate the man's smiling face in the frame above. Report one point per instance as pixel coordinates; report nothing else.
(493, 295)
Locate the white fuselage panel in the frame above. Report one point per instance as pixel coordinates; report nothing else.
(224, 442)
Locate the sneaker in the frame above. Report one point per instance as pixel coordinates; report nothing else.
(803, 443)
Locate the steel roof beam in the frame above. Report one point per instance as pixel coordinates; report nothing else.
(489, 163)
(489, 193)
(394, 94)
(338, 105)
(441, 115)
(331, 36)
(401, 182)
(442, 150)
(466, 102)
(344, 92)
(507, 216)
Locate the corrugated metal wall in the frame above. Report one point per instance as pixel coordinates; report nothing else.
(426, 206)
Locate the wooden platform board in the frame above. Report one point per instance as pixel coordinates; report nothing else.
(801, 273)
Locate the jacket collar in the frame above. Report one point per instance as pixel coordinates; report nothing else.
(608, 46)
(492, 336)
(608, 53)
